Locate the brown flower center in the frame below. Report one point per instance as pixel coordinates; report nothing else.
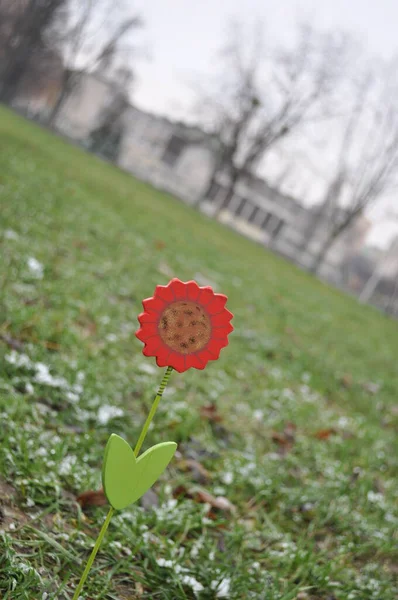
(185, 327)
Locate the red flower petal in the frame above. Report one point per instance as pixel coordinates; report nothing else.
(157, 344)
(177, 361)
(147, 318)
(148, 331)
(162, 359)
(222, 331)
(217, 304)
(192, 290)
(207, 354)
(214, 346)
(179, 289)
(153, 305)
(222, 318)
(164, 292)
(194, 360)
(206, 294)
(153, 346)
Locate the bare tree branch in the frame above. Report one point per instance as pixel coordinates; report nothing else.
(86, 47)
(271, 96)
(367, 167)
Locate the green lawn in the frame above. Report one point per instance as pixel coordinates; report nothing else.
(306, 393)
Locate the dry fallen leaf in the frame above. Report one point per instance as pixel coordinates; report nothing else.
(199, 472)
(159, 244)
(203, 497)
(80, 244)
(347, 380)
(210, 413)
(324, 434)
(286, 438)
(91, 498)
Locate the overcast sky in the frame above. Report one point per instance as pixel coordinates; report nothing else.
(182, 38)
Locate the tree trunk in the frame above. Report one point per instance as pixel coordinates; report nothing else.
(66, 89)
(13, 73)
(392, 301)
(28, 35)
(228, 196)
(202, 197)
(320, 257)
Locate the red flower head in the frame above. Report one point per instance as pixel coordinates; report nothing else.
(184, 325)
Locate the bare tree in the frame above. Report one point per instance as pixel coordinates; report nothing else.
(234, 106)
(92, 40)
(106, 137)
(23, 28)
(367, 163)
(272, 95)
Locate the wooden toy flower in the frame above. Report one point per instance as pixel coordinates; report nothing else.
(184, 325)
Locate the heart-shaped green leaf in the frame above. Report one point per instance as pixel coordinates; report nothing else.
(126, 478)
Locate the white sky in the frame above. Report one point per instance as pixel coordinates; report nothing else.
(183, 37)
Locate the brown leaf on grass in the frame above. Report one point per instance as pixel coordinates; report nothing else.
(92, 498)
(210, 413)
(324, 434)
(286, 438)
(159, 244)
(201, 496)
(80, 244)
(346, 380)
(199, 472)
(31, 301)
(53, 346)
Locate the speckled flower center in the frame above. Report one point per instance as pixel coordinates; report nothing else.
(185, 327)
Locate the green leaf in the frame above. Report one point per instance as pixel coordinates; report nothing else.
(126, 478)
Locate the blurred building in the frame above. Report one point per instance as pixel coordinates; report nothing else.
(180, 159)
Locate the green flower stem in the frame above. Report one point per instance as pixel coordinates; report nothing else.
(137, 448)
(93, 554)
(155, 404)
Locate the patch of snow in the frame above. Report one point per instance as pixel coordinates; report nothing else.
(44, 377)
(66, 465)
(29, 389)
(35, 267)
(147, 368)
(192, 583)
(221, 588)
(258, 415)
(163, 562)
(108, 412)
(111, 337)
(10, 234)
(227, 477)
(186, 579)
(19, 360)
(72, 396)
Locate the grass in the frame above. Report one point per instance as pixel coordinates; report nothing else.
(306, 393)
